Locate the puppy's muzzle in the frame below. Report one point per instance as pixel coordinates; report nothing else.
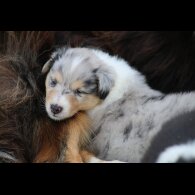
(56, 109)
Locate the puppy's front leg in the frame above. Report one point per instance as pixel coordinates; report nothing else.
(76, 129)
(72, 154)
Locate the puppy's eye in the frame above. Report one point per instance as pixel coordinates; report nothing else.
(53, 83)
(78, 92)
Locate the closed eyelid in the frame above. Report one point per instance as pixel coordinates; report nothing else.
(53, 80)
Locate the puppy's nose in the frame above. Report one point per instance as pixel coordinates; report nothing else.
(56, 109)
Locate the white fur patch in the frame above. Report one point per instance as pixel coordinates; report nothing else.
(75, 62)
(60, 101)
(172, 154)
(97, 160)
(94, 160)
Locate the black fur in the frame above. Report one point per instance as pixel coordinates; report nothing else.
(156, 98)
(91, 85)
(106, 149)
(119, 114)
(59, 53)
(103, 94)
(150, 125)
(127, 131)
(182, 160)
(179, 130)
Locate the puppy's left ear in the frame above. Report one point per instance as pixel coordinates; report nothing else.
(47, 66)
(105, 82)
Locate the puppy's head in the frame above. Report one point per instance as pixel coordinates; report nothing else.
(77, 81)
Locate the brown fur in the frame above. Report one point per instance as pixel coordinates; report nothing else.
(58, 77)
(73, 132)
(78, 135)
(49, 138)
(77, 84)
(90, 102)
(21, 92)
(74, 104)
(50, 95)
(86, 155)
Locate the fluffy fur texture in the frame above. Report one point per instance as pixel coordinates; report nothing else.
(24, 125)
(130, 114)
(76, 82)
(166, 58)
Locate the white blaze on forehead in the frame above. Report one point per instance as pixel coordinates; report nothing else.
(68, 62)
(75, 62)
(64, 103)
(174, 153)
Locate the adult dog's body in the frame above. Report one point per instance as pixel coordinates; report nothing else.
(125, 111)
(175, 142)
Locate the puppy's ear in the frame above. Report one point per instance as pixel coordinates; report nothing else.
(105, 81)
(47, 66)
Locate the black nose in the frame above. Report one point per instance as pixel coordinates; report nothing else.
(56, 109)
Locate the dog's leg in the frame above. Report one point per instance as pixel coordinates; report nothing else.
(86, 156)
(77, 129)
(72, 154)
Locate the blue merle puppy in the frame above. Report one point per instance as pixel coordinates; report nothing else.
(126, 113)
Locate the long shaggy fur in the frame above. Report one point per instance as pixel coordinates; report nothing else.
(22, 114)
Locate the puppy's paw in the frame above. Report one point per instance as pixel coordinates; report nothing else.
(113, 161)
(97, 160)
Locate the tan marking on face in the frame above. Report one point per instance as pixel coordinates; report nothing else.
(50, 94)
(58, 76)
(77, 84)
(90, 102)
(74, 104)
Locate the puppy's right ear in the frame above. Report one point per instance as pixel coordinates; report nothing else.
(47, 66)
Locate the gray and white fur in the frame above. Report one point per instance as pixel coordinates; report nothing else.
(130, 113)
